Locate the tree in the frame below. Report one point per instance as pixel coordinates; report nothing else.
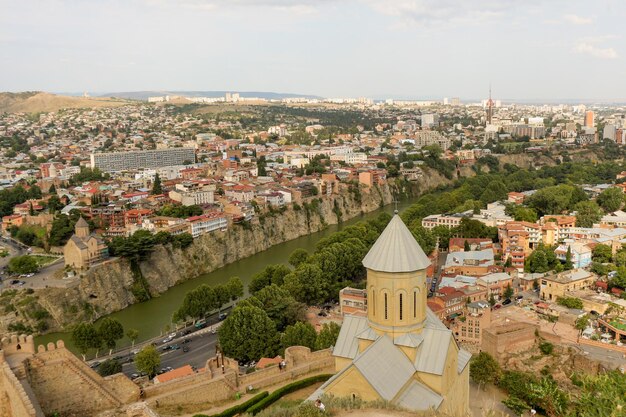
(484, 369)
(611, 199)
(299, 334)
(110, 331)
(620, 258)
(602, 253)
(234, 288)
(248, 334)
(156, 185)
(24, 264)
(271, 274)
(587, 213)
(424, 237)
(568, 259)
(110, 367)
(85, 337)
(525, 214)
(132, 334)
(570, 302)
(582, 323)
(492, 300)
(508, 291)
(327, 336)
(307, 284)
(297, 257)
(148, 360)
(466, 246)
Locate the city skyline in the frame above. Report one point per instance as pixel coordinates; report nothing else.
(410, 49)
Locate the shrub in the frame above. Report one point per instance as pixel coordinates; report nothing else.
(546, 348)
(276, 395)
(239, 408)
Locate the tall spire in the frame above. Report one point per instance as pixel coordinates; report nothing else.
(396, 250)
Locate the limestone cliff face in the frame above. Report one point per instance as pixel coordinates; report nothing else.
(108, 287)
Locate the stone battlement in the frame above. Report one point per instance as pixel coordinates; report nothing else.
(17, 344)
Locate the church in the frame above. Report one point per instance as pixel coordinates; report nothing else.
(401, 352)
(84, 249)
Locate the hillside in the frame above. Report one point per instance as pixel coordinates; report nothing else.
(37, 101)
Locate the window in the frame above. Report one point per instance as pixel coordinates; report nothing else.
(373, 302)
(414, 304)
(400, 305)
(386, 306)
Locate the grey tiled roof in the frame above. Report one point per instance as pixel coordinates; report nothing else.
(417, 396)
(385, 367)
(347, 345)
(396, 250)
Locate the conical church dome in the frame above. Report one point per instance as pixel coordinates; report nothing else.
(396, 250)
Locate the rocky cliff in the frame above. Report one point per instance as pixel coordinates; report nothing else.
(108, 287)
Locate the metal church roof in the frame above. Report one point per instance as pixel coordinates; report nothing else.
(396, 250)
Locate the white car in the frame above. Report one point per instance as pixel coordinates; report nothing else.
(172, 335)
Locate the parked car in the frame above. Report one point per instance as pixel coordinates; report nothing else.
(186, 341)
(519, 297)
(174, 347)
(506, 302)
(497, 306)
(186, 349)
(134, 376)
(172, 335)
(94, 365)
(222, 316)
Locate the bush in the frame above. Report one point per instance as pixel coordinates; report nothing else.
(239, 408)
(570, 302)
(546, 348)
(287, 389)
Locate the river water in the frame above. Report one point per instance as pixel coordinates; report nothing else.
(152, 318)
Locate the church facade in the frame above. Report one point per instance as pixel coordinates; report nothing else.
(84, 249)
(401, 352)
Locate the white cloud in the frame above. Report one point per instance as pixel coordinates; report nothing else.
(595, 51)
(577, 20)
(296, 6)
(442, 11)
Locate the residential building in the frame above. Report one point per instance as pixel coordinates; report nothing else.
(473, 263)
(558, 285)
(353, 301)
(475, 318)
(580, 253)
(205, 223)
(122, 161)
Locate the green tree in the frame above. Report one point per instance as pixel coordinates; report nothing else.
(110, 331)
(582, 323)
(148, 361)
(568, 259)
(611, 199)
(299, 334)
(587, 213)
(570, 302)
(525, 214)
(110, 367)
(85, 337)
(132, 334)
(508, 291)
(234, 288)
(156, 185)
(327, 336)
(620, 258)
(307, 284)
(424, 237)
(280, 306)
(466, 246)
(492, 300)
(602, 253)
(24, 264)
(271, 274)
(248, 334)
(484, 369)
(297, 257)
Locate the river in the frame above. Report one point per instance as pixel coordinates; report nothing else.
(152, 318)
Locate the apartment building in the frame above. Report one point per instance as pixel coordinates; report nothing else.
(155, 158)
(353, 301)
(205, 223)
(469, 327)
(558, 285)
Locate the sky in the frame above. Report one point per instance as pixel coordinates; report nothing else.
(420, 49)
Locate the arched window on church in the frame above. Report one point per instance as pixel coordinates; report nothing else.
(400, 306)
(386, 311)
(414, 303)
(373, 301)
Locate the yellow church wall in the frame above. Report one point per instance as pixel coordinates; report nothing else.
(456, 400)
(450, 370)
(364, 344)
(396, 320)
(341, 363)
(352, 383)
(434, 382)
(409, 352)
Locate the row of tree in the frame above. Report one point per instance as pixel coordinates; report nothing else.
(141, 243)
(86, 336)
(203, 300)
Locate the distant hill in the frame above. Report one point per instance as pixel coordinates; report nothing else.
(143, 95)
(37, 101)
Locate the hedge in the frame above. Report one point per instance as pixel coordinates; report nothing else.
(239, 408)
(287, 389)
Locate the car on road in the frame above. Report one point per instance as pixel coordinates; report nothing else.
(186, 349)
(186, 341)
(172, 335)
(506, 302)
(201, 324)
(519, 297)
(166, 348)
(15, 281)
(167, 340)
(222, 316)
(94, 365)
(134, 351)
(134, 376)
(497, 306)
(186, 332)
(174, 347)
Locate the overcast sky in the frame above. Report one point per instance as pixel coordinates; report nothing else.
(527, 49)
